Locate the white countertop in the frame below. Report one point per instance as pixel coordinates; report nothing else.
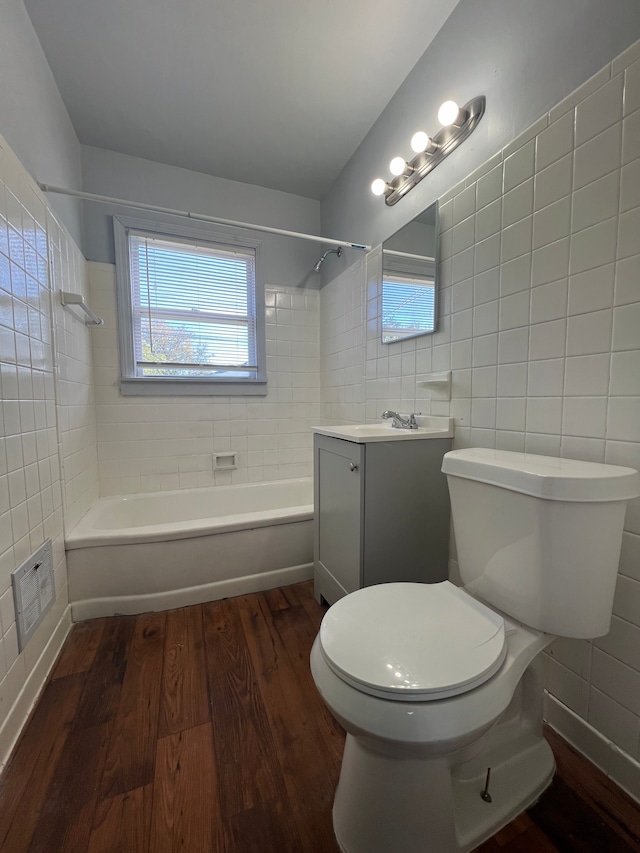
(429, 427)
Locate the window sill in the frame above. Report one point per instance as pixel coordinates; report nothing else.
(167, 386)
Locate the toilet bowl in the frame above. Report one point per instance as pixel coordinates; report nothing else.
(436, 685)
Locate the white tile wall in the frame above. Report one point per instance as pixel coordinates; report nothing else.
(151, 444)
(47, 423)
(540, 325)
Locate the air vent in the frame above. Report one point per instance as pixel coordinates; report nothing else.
(33, 591)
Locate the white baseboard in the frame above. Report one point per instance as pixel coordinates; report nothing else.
(620, 767)
(31, 689)
(130, 605)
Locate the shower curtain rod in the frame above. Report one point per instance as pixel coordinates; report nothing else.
(200, 217)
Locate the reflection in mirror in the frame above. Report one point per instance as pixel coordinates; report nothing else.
(409, 285)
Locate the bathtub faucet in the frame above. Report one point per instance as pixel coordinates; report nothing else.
(399, 422)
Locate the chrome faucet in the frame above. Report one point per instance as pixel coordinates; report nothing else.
(399, 422)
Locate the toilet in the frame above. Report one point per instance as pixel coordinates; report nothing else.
(440, 687)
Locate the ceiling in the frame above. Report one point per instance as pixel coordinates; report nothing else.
(277, 93)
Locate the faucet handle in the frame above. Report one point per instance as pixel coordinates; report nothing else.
(413, 423)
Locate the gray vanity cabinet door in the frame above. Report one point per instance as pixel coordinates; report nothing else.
(338, 486)
(406, 530)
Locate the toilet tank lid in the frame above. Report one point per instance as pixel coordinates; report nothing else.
(546, 477)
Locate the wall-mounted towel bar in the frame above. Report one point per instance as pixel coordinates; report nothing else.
(68, 298)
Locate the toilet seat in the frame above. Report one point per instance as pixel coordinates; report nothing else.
(412, 642)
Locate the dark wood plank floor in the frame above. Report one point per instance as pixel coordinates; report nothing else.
(201, 730)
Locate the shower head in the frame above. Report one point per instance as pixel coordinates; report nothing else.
(337, 252)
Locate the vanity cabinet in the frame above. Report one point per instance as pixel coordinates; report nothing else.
(381, 513)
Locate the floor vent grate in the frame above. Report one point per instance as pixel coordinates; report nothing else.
(33, 591)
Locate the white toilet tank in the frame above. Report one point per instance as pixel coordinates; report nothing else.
(538, 537)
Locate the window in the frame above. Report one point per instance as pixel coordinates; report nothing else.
(190, 311)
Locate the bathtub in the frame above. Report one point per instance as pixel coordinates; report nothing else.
(156, 551)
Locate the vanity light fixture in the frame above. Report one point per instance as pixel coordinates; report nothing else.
(457, 124)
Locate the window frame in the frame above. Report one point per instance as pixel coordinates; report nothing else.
(132, 385)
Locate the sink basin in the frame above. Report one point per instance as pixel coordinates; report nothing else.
(429, 427)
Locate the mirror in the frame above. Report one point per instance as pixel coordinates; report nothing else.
(409, 279)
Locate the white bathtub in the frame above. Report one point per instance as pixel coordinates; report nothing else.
(161, 550)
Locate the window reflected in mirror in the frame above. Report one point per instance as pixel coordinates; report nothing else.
(409, 279)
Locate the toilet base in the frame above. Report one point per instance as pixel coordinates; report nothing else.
(387, 804)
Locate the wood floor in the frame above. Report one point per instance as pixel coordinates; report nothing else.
(200, 730)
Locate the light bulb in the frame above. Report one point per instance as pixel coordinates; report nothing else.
(397, 166)
(378, 186)
(420, 141)
(448, 113)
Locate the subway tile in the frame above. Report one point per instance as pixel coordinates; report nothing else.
(627, 281)
(592, 290)
(552, 223)
(587, 375)
(625, 374)
(485, 350)
(513, 345)
(483, 413)
(514, 311)
(489, 187)
(626, 603)
(632, 88)
(626, 327)
(578, 447)
(589, 333)
(486, 286)
(630, 556)
(569, 688)
(547, 340)
(511, 413)
(463, 264)
(546, 378)
(629, 187)
(542, 445)
(549, 301)
(530, 133)
(515, 275)
(482, 170)
(598, 157)
(595, 202)
(572, 653)
(555, 142)
(464, 234)
(631, 137)
(517, 203)
(550, 263)
(484, 381)
(464, 204)
(516, 239)
(624, 419)
(512, 380)
(614, 721)
(519, 166)
(485, 318)
(600, 110)
(488, 220)
(554, 182)
(487, 254)
(593, 246)
(628, 230)
(584, 416)
(544, 414)
(508, 440)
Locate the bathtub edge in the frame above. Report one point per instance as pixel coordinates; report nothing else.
(131, 605)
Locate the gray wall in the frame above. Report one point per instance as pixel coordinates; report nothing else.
(33, 118)
(289, 261)
(525, 56)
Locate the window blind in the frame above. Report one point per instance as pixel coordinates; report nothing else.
(408, 305)
(194, 308)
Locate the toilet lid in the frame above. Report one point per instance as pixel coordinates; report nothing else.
(412, 641)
